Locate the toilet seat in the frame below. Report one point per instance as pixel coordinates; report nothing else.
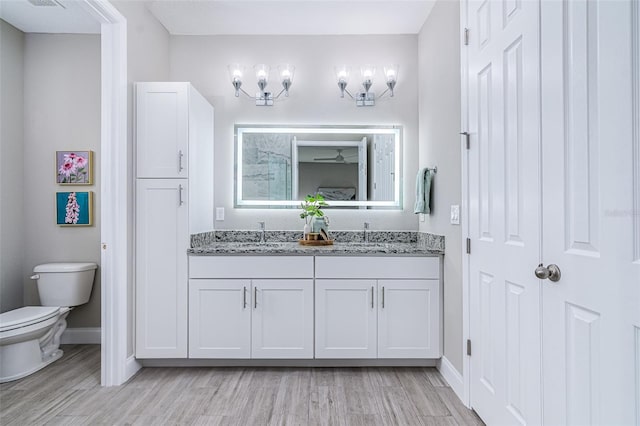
(26, 316)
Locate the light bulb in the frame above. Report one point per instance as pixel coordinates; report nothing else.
(391, 72)
(235, 72)
(342, 73)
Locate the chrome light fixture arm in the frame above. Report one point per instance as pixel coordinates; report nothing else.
(390, 86)
(343, 89)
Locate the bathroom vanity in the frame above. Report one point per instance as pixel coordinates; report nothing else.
(280, 300)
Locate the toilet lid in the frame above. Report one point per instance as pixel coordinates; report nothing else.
(28, 315)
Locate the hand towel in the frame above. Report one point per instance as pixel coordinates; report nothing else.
(423, 190)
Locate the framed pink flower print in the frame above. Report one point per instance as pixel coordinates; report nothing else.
(74, 208)
(74, 167)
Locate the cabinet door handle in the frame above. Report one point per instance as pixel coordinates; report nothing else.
(255, 297)
(382, 297)
(372, 297)
(244, 297)
(180, 155)
(180, 200)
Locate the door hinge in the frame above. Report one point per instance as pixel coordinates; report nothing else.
(466, 36)
(468, 245)
(466, 139)
(469, 347)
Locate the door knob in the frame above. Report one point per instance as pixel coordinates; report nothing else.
(552, 272)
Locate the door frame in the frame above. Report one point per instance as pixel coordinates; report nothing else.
(116, 365)
(464, 208)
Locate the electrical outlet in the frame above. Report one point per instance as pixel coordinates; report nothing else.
(422, 215)
(220, 213)
(455, 214)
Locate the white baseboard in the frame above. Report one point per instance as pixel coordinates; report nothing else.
(198, 362)
(81, 336)
(131, 367)
(452, 376)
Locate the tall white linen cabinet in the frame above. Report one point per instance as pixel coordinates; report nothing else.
(173, 199)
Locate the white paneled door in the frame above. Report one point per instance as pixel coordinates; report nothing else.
(409, 319)
(591, 216)
(162, 130)
(346, 319)
(219, 318)
(162, 240)
(504, 210)
(282, 319)
(554, 178)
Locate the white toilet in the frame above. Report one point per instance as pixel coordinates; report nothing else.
(30, 336)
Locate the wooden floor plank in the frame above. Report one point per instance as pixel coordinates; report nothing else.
(396, 407)
(459, 412)
(421, 393)
(68, 393)
(326, 406)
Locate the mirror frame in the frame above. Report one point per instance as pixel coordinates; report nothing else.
(241, 129)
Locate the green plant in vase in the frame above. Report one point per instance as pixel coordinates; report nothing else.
(311, 208)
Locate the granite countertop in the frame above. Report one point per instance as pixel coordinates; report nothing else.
(293, 248)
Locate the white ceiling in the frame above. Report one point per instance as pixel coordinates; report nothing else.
(235, 17)
(65, 16)
(293, 17)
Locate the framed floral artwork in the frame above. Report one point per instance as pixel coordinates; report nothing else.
(74, 208)
(74, 167)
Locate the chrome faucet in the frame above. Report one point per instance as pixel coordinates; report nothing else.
(366, 232)
(262, 232)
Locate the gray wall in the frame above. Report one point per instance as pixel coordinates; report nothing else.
(11, 166)
(147, 60)
(439, 65)
(61, 112)
(314, 99)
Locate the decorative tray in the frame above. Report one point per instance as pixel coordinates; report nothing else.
(316, 242)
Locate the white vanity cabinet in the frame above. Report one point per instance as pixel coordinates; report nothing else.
(162, 130)
(251, 307)
(173, 199)
(346, 319)
(378, 307)
(219, 318)
(162, 238)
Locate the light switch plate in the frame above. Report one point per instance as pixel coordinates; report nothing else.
(455, 214)
(219, 213)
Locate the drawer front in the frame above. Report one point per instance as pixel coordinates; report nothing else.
(377, 267)
(250, 267)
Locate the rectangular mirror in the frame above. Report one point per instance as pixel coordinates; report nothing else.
(352, 166)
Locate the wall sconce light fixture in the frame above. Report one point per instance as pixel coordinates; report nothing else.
(367, 72)
(262, 98)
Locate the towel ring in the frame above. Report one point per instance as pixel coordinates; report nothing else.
(434, 170)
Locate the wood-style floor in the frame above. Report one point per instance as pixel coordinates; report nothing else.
(68, 392)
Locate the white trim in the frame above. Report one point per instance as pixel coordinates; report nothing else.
(465, 396)
(114, 203)
(132, 366)
(452, 377)
(81, 336)
(380, 362)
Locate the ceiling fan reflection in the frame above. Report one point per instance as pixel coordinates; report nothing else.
(338, 158)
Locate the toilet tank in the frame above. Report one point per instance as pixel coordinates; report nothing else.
(64, 284)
